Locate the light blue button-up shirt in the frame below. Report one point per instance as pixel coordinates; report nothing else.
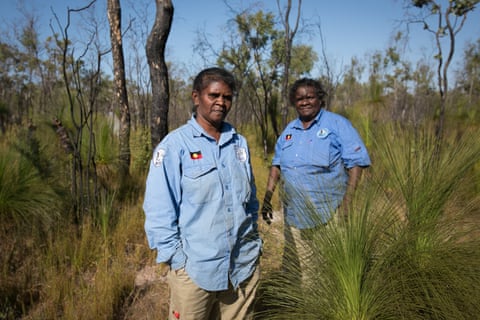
(314, 163)
(201, 207)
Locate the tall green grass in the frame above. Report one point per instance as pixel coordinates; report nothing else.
(90, 274)
(25, 200)
(408, 249)
(29, 208)
(51, 267)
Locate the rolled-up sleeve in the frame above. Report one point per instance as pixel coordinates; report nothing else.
(354, 151)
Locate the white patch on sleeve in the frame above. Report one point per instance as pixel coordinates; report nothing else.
(158, 158)
(241, 154)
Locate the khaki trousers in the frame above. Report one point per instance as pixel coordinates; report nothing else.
(297, 253)
(189, 302)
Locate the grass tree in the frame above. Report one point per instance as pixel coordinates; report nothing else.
(408, 249)
(25, 199)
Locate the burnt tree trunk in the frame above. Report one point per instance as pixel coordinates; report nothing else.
(121, 97)
(155, 51)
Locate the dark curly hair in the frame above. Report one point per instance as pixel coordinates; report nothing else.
(307, 82)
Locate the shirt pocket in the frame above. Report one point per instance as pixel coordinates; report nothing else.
(319, 155)
(201, 184)
(287, 156)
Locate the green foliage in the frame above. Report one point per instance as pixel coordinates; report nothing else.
(408, 248)
(462, 7)
(25, 199)
(433, 251)
(303, 61)
(256, 55)
(141, 151)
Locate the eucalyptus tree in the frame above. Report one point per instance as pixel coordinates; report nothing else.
(155, 51)
(121, 96)
(424, 94)
(10, 79)
(397, 80)
(350, 89)
(136, 64)
(254, 58)
(468, 77)
(256, 54)
(21, 71)
(29, 39)
(289, 35)
(444, 19)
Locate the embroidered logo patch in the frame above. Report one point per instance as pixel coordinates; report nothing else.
(196, 155)
(158, 158)
(323, 133)
(241, 154)
(288, 137)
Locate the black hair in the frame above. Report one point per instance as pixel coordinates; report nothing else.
(307, 82)
(214, 74)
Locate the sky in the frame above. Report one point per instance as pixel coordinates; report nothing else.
(350, 28)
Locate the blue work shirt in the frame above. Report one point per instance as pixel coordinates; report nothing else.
(313, 163)
(201, 207)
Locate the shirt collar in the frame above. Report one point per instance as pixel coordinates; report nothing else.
(299, 125)
(227, 130)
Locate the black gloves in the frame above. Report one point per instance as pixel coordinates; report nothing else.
(267, 212)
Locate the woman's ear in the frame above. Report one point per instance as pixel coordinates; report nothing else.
(195, 97)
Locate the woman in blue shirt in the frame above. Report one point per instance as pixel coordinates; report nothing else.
(201, 209)
(320, 157)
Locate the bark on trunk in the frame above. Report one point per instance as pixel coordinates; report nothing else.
(121, 97)
(158, 70)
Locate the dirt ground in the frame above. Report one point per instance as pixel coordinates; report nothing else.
(150, 298)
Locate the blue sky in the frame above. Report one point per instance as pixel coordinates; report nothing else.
(350, 27)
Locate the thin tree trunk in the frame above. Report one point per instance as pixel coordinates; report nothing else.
(289, 35)
(158, 70)
(121, 97)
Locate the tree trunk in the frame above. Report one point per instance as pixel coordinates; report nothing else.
(158, 70)
(121, 97)
(289, 35)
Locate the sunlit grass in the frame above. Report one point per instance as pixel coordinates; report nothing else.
(402, 254)
(67, 271)
(409, 250)
(87, 275)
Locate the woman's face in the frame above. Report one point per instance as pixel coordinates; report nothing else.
(213, 103)
(307, 103)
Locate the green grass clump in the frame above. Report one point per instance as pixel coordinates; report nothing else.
(408, 249)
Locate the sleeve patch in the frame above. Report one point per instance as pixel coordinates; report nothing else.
(158, 157)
